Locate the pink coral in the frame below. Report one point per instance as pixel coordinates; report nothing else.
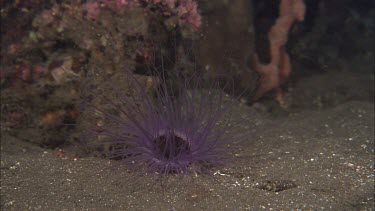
(23, 72)
(170, 3)
(118, 5)
(93, 10)
(40, 70)
(277, 71)
(188, 13)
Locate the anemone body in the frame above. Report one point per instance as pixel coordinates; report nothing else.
(166, 134)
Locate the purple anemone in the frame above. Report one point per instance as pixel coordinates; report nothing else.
(165, 133)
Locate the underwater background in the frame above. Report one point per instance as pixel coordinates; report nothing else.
(278, 97)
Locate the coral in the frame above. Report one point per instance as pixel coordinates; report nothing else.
(188, 13)
(65, 42)
(277, 71)
(185, 10)
(170, 3)
(23, 72)
(93, 10)
(118, 5)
